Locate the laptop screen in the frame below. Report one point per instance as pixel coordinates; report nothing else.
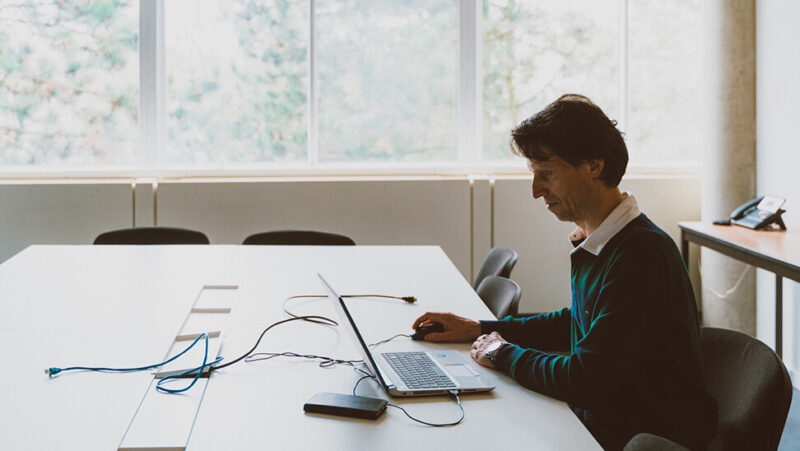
(350, 326)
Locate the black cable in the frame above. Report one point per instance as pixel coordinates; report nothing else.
(368, 376)
(315, 318)
(325, 363)
(458, 400)
(389, 339)
(409, 299)
(452, 392)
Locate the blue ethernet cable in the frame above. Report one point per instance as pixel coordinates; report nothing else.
(52, 371)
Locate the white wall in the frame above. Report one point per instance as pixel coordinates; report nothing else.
(415, 211)
(465, 217)
(60, 213)
(778, 154)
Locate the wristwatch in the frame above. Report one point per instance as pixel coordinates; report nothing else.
(491, 351)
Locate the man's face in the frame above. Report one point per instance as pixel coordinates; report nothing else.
(567, 190)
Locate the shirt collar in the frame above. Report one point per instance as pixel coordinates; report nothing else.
(625, 212)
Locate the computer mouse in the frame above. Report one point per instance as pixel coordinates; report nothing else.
(421, 331)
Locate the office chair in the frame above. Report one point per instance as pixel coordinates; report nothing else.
(152, 235)
(650, 442)
(299, 237)
(500, 294)
(752, 389)
(499, 261)
(751, 386)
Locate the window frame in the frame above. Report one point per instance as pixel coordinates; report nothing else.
(469, 162)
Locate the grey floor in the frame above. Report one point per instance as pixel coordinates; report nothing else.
(791, 432)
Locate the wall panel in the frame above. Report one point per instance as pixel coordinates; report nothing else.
(60, 213)
(777, 158)
(420, 211)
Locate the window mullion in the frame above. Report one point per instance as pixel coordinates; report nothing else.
(623, 69)
(469, 82)
(312, 140)
(152, 129)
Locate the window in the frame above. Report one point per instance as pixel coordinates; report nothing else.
(388, 80)
(664, 82)
(535, 51)
(69, 83)
(263, 84)
(237, 77)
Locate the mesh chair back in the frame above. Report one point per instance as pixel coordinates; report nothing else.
(299, 237)
(152, 235)
(499, 261)
(751, 386)
(500, 294)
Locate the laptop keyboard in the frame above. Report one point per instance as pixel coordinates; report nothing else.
(417, 370)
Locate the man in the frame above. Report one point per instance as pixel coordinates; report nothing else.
(626, 355)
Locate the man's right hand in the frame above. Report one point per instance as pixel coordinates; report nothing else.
(456, 328)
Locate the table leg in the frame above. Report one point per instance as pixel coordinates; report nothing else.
(779, 315)
(685, 249)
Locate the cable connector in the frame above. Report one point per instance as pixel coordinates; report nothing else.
(52, 371)
(409, 299)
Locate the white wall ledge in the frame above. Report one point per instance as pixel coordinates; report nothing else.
(141, 175)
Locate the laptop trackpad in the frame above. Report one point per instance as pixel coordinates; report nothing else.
(460, 370)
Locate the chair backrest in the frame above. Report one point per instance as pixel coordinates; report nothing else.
(500, 294)
(152, 235)
(499, 261)
(649, 442)
(299, 237)
(751, 386)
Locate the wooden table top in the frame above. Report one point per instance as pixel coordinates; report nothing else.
(783, 246)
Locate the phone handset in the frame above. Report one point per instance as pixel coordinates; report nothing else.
(758, 214)
(745, 208)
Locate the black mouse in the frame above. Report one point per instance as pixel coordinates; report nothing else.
(421, 331)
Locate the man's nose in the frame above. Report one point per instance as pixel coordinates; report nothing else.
(537, 189)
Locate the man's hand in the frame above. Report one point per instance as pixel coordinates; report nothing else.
(484, 344)
(456, 328)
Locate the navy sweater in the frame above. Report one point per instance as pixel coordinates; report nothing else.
(626, 356)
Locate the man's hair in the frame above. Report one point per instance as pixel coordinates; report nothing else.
(576, 130)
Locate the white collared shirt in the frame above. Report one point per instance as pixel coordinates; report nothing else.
(625, 212)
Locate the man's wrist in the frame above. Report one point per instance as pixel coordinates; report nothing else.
(492, 350)
(477, 330)
(487, 327)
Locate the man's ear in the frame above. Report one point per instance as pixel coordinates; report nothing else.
(596, 167)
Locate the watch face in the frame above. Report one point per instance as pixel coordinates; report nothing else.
(491, 351)
(494, 346)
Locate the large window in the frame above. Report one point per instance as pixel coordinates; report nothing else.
(303, 84)
(237, 76)
(664, 82)
(388, 80)
(535, 51)
(69, 83)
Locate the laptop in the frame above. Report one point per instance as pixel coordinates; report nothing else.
(412, 373)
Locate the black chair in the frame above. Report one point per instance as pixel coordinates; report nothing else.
(152, 235)
(751, 386)
(752, 389)
(650, 442)
(499, 261)
(299, 237)
(500, 294)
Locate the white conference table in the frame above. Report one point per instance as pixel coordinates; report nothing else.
(123, 305)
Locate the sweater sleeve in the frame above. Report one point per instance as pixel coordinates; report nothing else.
(546, 331)
(597, 367)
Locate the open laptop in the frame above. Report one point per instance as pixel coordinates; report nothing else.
(413, 373)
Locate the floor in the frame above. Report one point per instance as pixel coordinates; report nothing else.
(791, 432)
